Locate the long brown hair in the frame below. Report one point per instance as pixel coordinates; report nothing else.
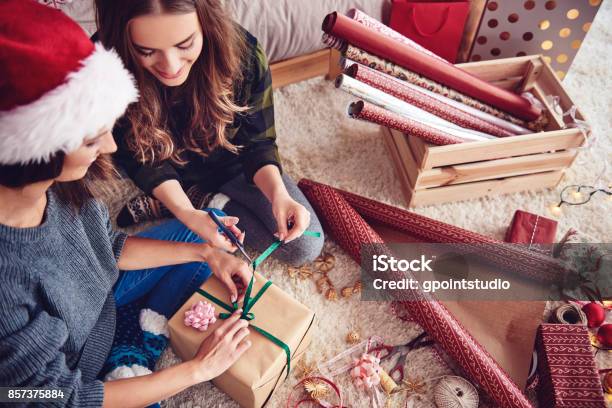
(210, 85)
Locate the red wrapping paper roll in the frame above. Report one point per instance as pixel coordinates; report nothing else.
(401, 54)
(349, 229)
(514, 258)
(375, 114)
(398, 89)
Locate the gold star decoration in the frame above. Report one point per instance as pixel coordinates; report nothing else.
(305, 369)
(416, 386)
(316, 389)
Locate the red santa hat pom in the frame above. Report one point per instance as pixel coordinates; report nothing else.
(56, 87)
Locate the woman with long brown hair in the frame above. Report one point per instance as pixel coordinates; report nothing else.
(204, 125)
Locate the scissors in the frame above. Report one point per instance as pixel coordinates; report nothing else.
(403, 349)
(228, 233)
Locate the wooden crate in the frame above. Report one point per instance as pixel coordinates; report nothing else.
(432, 174)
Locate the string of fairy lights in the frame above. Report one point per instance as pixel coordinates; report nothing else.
(579, 194)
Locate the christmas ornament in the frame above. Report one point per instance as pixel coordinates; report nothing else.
(325, 263)
(455, 392)
(200, 316)
(607, 382)
(353, 337)
(604, 335)
(595, 314)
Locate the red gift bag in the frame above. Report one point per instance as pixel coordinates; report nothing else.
(437, 26)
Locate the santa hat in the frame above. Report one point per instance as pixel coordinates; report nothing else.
(56, 87)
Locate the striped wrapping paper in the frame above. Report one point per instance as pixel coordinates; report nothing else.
(395, 105)
(358, 55)
(393, 86)
(568, 374)
(347, 227)
(375, 114)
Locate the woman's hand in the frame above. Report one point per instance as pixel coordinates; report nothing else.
(292, 218)
(219, 351)
(231, 270)
(200, 222)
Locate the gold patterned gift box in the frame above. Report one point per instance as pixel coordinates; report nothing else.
(554, 28)
(263, 367)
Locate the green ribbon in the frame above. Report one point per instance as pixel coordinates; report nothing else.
(249, 301)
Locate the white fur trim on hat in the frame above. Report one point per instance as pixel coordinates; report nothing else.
(91, 99)
(120, 372)
(153, 322)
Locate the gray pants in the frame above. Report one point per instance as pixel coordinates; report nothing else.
(249, 204)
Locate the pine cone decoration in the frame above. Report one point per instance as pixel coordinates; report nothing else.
(325, 263)
(347, 292)
(331, 294)
(321, 284)
(357, 287)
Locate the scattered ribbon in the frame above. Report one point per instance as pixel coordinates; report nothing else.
(249, 301)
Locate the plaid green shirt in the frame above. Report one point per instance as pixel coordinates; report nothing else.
(254, 130)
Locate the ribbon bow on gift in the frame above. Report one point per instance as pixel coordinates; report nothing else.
(249, 301)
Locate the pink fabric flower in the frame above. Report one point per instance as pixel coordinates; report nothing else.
(366, 371)
(200, 316)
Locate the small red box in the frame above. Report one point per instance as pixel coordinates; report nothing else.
(566, 365)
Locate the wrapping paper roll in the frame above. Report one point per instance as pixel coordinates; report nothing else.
(514, 258)
(409, 111)
(358, 55)
(375, 114)
(400, 90)
(349, 229)
(416, 61)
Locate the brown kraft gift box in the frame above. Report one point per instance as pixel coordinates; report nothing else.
(263, 367)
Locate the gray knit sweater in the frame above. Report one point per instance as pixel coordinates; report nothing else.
(57, 311)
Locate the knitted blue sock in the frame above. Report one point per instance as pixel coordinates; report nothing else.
(140, 337)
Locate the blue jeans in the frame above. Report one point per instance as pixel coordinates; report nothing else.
(166, 288)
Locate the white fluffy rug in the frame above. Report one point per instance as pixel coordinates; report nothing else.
(318, 141)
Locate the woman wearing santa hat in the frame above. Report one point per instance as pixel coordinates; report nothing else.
(64, 303)
(203, 129)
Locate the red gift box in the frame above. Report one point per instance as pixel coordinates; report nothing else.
(437, 26)
(532, 229)
(567, 370)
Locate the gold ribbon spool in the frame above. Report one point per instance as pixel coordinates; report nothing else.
(386, 382)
